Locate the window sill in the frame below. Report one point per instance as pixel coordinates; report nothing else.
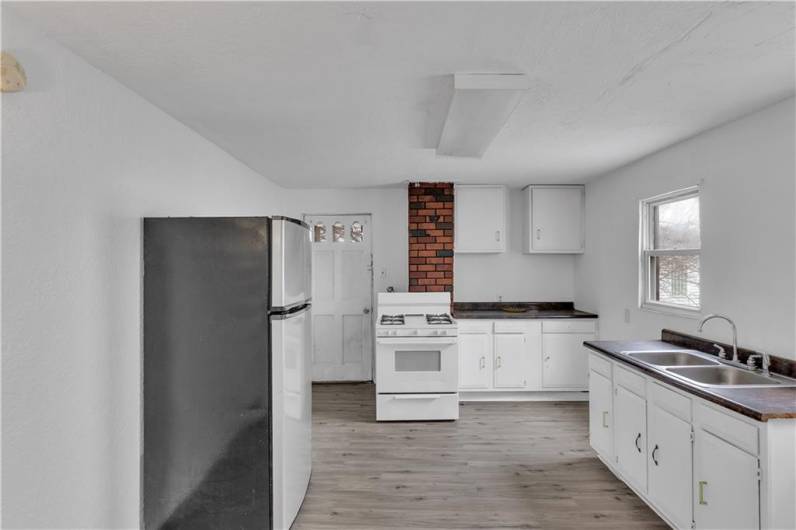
(663, 309)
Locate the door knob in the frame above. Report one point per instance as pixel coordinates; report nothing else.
(366, 310)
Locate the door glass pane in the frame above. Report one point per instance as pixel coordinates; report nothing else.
(338, 232)
(675, 280)
(320, 232)
(676, 224)
(356, 232)
(418, 361)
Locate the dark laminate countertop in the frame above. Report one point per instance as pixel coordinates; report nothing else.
(533, 310)
(761, 404)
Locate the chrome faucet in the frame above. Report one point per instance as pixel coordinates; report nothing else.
(734, 332)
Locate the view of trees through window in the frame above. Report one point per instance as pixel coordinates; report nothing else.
(672, 250)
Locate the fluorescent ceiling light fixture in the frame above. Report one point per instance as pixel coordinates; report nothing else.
(480, 107)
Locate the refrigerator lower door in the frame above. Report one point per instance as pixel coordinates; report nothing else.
(291, 259)
(292, 413)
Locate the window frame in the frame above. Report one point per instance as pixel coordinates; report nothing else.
(646, 251)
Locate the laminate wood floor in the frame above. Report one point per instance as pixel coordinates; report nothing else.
(502, 465)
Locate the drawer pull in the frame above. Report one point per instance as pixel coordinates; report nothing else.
(605, 419)
(482, 363)
(702, 484)
(653, 454)
(638, 437)
(499, 361)
(418, 396)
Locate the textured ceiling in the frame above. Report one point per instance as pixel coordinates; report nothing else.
(353, 94)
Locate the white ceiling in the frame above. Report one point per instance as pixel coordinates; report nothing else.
(353, 94)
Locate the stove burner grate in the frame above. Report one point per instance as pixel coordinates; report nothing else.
(392, 320)
(442, 318)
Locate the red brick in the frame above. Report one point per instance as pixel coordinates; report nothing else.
(440, 267)
(426, 253)
(427, 240)
(434, 288)
(444, 239)
(434, 205)
(434, 246)
(413, 253)
(426, 226)
(436, 260)
(441, 281)
(412, 226)
(417, 219)
(426, 281)
(434, 232)
(426, 267)
(417, 261)
(412, 268)
(417, 246)
(449, 274)
(426, 211)
(435, 275)
(444, 211)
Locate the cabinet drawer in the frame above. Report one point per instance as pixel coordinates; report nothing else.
(631, 381)
(474, 326)
(600, 365)
(733, 430)
(670, 401)
(568, 326)
(516, 326)
(403, 407)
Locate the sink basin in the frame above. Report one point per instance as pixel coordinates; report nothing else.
(672, 358)
(727, 376)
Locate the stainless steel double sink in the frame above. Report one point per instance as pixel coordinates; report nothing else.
(700, 369)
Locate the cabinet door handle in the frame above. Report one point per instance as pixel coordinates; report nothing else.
(638, 437)
(538, 233)
(497, 235)
(702, 484)
(605, 419)
(498, 361)
(482, 363)
(653, 454)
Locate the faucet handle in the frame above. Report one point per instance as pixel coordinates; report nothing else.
(722, 353)
(751, 361)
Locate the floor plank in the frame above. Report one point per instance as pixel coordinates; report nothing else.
(502, 465)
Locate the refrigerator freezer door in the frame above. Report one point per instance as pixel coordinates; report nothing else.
(292, 413)
(206, 373)
(291, 260)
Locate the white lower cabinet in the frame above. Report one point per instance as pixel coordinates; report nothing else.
(511, 361)
(600, 414)
(726, 485)
(669, 464)
(696, 463)
(630, 427)
(475, 360)
(565, 363)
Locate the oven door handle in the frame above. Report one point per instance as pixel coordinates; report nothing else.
(414, 341)
(417, 396)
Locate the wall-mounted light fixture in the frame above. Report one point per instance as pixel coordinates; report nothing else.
(481, 105)
(12, 76)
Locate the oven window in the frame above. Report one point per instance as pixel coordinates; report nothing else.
(418, 361)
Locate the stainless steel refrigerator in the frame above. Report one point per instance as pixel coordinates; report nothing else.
(226, 372)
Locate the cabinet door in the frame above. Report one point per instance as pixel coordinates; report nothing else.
(600, 414)
(475, 360)
(630, 422)
(669, 465)
(480, 213)
(565, 364)
(557, 219)
(726, 486)
(510, 360)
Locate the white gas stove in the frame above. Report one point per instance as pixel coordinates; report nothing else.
(417, 365)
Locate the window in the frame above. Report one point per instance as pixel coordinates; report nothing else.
(670, 247)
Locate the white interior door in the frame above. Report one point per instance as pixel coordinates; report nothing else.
(342, 297)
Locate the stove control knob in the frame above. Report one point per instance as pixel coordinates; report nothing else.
(442, 332)
(393, 332)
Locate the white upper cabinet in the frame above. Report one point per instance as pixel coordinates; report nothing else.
(480, 219)
(554, 219)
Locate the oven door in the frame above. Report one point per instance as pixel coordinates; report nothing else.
(417, 365)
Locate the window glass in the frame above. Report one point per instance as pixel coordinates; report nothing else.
(677, 224)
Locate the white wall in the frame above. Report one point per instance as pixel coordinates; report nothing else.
(746, 172)
(83, 160)
(512, 275)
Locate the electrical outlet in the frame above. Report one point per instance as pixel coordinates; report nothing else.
(500, 298)
(627, 316)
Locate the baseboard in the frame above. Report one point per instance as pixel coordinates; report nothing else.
(522, 396)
